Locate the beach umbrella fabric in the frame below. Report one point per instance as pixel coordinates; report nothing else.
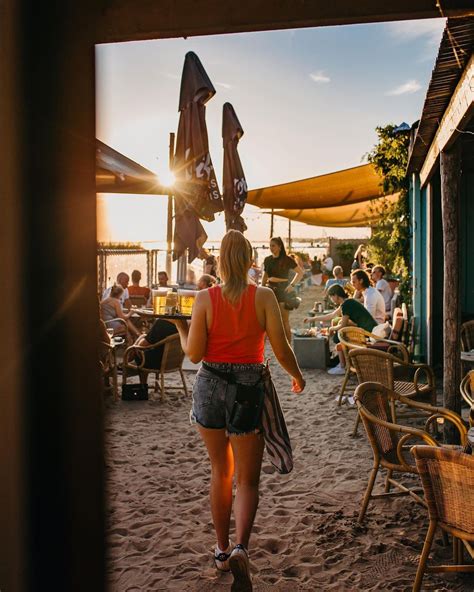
(234, 184)
(197, 194)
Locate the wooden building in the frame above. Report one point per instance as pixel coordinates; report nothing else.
(441, 169)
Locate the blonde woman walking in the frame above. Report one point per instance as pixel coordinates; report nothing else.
(227, 331)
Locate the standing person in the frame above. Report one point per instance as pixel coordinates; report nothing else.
(210, 265)
(360, 258)
(381, 284)
(227, 332)
(373, 299)
(276, 271)
(328, 264)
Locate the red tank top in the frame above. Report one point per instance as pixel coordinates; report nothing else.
(235, 335)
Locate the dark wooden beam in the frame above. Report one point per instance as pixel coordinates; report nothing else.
(450, 169)
(51, 475)
(130, 20)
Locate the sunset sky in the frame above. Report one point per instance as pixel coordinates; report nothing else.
(308, 99)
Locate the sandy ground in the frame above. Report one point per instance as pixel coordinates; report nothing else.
(306, 537)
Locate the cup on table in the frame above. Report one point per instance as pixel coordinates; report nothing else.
(186, 300)
(159, 300)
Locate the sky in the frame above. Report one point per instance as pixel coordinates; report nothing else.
(309, 101)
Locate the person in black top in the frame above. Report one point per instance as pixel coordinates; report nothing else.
(159, 331)
(277, 268)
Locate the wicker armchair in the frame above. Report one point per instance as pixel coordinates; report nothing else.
(172, 361)
(414, 381)
(388, 439)
(448, 482)
(467, 336)
(357, 338)
(108, 368)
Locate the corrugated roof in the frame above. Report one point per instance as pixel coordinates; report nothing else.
(455, 50)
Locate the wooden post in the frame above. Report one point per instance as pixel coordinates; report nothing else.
(450, 169)
(271, 223)
(169, 229)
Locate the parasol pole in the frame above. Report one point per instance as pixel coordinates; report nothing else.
(289, 234)
(169, 229)
(271, 224)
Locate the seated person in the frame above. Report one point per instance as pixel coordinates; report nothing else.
(373, 299)
(122, 280)
(338, 279)
(160, 330)
(381, 284)
(351, 312)
(111, 309)
(206, 281)
(162, 279)
(136, 290)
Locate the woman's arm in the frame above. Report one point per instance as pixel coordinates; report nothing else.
(264, 278)
(297, 277)
(278, 341)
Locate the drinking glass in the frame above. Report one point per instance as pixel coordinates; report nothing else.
(159, 301)
(186, 301)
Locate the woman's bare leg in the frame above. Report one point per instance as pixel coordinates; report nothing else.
(222, 472)
(248, 452)
(285, 317)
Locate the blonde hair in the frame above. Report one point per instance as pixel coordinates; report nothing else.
(235, 260)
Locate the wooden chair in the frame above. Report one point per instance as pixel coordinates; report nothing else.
(414, 381)
(448, 483)
(172, 361)
(388, 439)
(467, 392)
(356, 338)
(139, 301)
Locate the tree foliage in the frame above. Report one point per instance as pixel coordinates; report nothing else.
(389, 244)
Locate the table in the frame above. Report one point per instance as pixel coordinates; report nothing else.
(311, 352)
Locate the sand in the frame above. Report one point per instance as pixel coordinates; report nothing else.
(160, 534)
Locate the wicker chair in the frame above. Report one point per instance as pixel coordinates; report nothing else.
(467, 388)
(388, 439)
(402, 377)
(171, 361)
(467, 336)
(448, 482)
(357, 338)
(108, 368)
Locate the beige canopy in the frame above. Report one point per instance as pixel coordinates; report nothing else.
(362, 214)
(350, 186)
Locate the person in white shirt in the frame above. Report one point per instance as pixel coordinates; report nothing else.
(123, 280)
(373, 299)
(382, 285)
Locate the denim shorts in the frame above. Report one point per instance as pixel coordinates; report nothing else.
(210, 393)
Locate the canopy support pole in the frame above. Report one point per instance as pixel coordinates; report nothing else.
(450, 169)
(271, 223)
(169, 228)
(289, 234)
